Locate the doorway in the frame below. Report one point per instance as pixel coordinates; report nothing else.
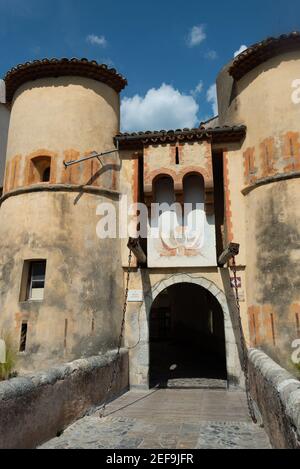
(187, 338)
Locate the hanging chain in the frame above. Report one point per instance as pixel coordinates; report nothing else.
(117, 360)
(245, 363)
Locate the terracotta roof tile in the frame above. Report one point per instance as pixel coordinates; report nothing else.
(263, 51)
(28, 71)
(216, 134)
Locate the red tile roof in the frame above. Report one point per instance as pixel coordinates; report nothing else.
(29, 71)
(216, 134)
(263, 51)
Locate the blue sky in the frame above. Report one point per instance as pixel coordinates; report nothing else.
(170, 51)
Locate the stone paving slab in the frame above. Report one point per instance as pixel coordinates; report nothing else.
(197, 383)
(167, 419)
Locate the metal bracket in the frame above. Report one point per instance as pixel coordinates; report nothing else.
(135, 246)
(233, 250)
(91, 156)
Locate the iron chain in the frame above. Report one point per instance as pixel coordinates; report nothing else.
(245, 363)
(120, 342)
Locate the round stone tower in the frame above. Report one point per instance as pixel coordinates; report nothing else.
(61, 286)
(261, 89)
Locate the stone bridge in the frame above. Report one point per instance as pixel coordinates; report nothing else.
(168, 419)
(61, 409)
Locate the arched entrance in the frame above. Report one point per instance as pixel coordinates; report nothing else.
(139, 330)
(187, 338)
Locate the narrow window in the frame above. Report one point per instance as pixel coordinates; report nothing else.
(66, 334)
(164, 190)
(219, 197)
(194, 209)
(177, 156)
(46, 175)
(23, 339)
(254, 330)
(166, 220)
(40, 170)
(273, 330)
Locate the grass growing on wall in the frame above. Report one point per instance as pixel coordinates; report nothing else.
(7, 370)
(297, 367)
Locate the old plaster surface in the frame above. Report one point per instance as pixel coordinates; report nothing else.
(264, 100)
(4, 124)
(77, 318)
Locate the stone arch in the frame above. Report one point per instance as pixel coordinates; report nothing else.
(140, 356)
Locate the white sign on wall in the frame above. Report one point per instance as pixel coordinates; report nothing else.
(135, 296)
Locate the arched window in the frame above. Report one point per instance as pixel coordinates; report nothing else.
(164, 190)
(40, 170)
(193, 186)
(194, 208)
(166, 216)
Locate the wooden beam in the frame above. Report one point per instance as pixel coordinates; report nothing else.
(135, 246)
(233, 250)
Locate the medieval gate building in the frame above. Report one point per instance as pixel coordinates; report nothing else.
(62, 288)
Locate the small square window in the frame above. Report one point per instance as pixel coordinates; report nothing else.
(33, 281)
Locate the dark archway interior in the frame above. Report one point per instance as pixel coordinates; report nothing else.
(187, 337)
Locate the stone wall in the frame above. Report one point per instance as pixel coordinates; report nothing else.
(261, 193)
(4, 123)
(34, 409)
(277, 394)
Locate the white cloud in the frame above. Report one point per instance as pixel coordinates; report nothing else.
(162, 108)
(96, 40)
(211, 54)
(198, 89)
(241, 49)
(196, 36)
(211, 97)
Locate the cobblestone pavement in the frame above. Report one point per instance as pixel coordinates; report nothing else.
(167, 419)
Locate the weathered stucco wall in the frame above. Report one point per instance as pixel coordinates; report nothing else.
(36, 408)
(63, 119)
(4, 124)
(264, 100)
(273, 286)
(84, 281)
(277, 394)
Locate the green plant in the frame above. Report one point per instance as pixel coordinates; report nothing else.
(294, 368)
(297, 366)
(7, 369)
